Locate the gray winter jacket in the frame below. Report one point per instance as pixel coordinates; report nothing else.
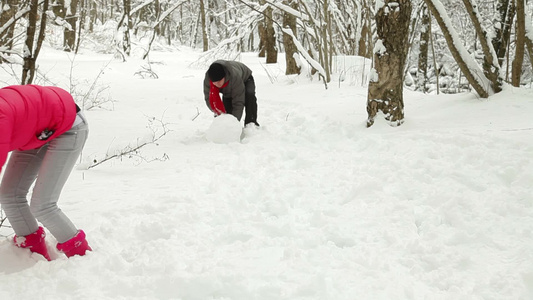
(237, 74)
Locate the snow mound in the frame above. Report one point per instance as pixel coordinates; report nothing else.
(224, 129)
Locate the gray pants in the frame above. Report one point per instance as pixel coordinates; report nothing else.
(49, 167)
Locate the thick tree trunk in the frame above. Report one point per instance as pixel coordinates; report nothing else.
(385, 90)
(365, 42)
(69, 34)
(289, 22)
(519, 44)
(270, 38)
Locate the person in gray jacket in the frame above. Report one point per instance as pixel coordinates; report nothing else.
(236, 83)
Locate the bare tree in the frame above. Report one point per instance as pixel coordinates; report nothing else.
(160, 18)
(466, 63)
(425, 33)
(92, 10)
(318, 38)
(327, 45)
(289, 23)
(316, 31)
(67, 17)
(519, 43)
(385, 90)
(204, 26)
(529, 40)
(491, 68)
(32, 49)
(69, 34)
(82, 10)
(502, 27)
(125, 24)
(365, 40)
(28, 67)
(308, 53)
(270, 38)
(7, 17)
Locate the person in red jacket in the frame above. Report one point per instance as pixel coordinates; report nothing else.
(45, 132)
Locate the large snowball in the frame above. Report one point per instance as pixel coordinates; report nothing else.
(224, 129)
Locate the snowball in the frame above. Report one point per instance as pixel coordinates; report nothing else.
(224, 129)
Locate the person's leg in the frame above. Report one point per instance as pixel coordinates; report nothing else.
(56, 167)
(19, 174)
(228, 104)
(250, 102)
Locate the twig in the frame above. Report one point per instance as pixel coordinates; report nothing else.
(134, 150)
(197, 114)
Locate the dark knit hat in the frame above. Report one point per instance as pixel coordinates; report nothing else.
(216, 72)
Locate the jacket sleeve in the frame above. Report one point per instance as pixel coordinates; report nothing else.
(207, 90)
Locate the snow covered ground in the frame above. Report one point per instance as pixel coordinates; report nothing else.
(313, 205)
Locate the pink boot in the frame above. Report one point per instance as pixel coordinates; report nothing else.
(75, 246)
(35, 242)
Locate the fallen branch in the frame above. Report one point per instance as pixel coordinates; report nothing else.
(133, 150)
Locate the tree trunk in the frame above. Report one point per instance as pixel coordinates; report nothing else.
(529, 39)
(93, 14)
(326, 45)
(475, 75)
(289, 23)
(502, 28)
(491, 68)
(6, 38)
(425, 32)
(204, 26)
(516, 73)
(83, 12)
(69, 34)
(261, 29)
(270, 38)
(365, 42)
(126, 43)
(42, 30)
(529, 46)
(28, 67)
(158, 10)
(385, 90)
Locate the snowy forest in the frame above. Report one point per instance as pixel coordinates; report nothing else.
(431, 46)
(392, 160)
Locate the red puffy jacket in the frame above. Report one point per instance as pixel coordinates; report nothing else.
(28, 110)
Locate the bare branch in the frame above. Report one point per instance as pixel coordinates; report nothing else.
(133, 150)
